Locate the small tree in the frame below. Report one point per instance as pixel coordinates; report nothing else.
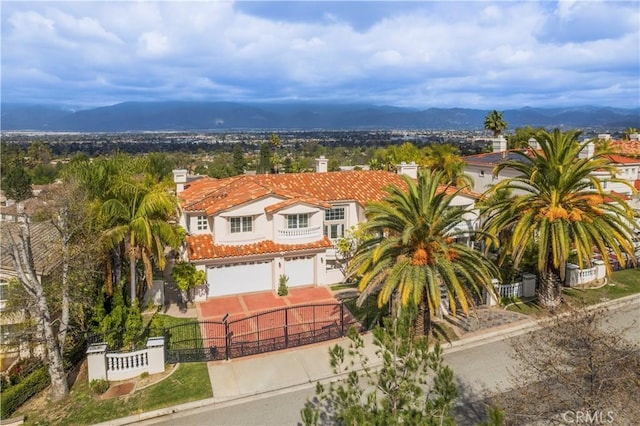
(283, 290)
(398, 395)
(187, 277)
(578, 364)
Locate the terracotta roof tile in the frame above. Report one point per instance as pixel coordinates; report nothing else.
(217, 195)
(202, 247)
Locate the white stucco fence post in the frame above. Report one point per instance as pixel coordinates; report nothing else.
(97, 361)
(155, 350)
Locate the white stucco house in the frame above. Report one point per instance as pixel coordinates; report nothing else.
(247, 231)
(480, 168)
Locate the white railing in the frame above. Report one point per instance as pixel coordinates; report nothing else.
(509, 290)
(292, 233)
(123, 365)
(114, 366)
(576, 276)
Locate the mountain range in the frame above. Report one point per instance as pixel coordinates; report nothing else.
(228, 116)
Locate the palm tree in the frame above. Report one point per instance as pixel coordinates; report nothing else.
(495, 122)
(559, 208)
(419, 256)
(138, 216)
(445, 157)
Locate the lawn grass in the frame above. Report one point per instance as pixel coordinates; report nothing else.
(190, 382)
(622, 283)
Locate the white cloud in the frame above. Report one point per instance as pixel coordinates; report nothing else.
(425, 53)
(153, 43)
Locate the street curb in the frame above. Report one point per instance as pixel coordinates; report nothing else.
(479, 339)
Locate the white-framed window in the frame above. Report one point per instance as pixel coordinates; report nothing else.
(241, 224)
(201, 223)
(295, 221)
(334, 222)
(334, 230)
(334, 213)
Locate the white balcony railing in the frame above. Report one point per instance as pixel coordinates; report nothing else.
(300, 233)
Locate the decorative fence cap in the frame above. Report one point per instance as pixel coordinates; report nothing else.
(153, 342)
(97, 348)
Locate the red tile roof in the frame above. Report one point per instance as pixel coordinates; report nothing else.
(216, 195)
(621, 159)
(628, 148)
(202, 247)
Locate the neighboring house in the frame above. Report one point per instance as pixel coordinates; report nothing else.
(247, 231)
(480, 168)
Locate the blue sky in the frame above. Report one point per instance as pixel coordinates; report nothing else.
(475, 54)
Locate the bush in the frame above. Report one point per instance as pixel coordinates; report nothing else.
(98, 386)
(17, 395)
(22, 369)
(282, 286)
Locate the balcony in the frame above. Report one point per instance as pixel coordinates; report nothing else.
(310, 233)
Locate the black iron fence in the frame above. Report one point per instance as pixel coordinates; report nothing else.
(263, 332)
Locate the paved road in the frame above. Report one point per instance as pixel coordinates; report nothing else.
(479, 368)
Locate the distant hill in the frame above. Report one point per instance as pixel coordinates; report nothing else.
(212, 116)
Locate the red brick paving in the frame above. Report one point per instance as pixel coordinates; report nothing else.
(262, 301)
(244, 305)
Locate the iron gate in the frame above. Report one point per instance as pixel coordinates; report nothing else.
(263, 332)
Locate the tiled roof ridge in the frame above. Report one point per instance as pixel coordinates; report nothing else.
(212, 193)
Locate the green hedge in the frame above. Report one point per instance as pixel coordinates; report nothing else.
(17, 395)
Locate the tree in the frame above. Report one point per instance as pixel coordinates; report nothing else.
(575, 365)
(264, 164)
(187, 277)
(418, 256)
(17, 243)
(495, 123)
(446, 158)
(275, 159)
(520, 138)
(399, 395)
(238, 159)
(559, 207)
(16, 182)
(138, 216)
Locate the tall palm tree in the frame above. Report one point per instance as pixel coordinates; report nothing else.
(419, 256)
(139, 216)
(495, 122)
(559, 208)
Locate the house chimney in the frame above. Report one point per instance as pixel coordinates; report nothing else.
(410, 169)
(499, 144)
(588, 151)
(179, 178)
(322, 164)
(533, 144)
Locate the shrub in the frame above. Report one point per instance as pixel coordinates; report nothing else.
(17, 395)
(22, 369)
(283, 290)
(144, 375)
(98, 386)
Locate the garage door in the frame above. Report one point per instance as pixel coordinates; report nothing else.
(239, 278)
(300, 271)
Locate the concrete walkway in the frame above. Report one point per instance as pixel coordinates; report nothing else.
(242, 379)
